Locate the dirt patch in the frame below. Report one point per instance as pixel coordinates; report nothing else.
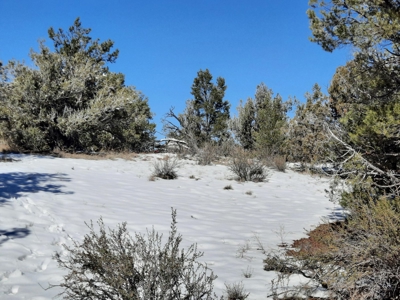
(320, 241)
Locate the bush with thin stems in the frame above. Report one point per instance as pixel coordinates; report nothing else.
(166, 168)
(247, 168)
(116, 265)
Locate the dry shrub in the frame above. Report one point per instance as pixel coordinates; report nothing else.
(355, 259)
(152, 178)
(206, 155)
(115, 265)
(248, 272)
(235, 291)
(6, 158)
(228, 187)
(280, 163)
(225, 148)
(247, 168)
(166, 168)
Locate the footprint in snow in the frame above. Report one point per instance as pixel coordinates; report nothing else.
(43, 265)
(14, 290)
(56, 228)
(10, 274)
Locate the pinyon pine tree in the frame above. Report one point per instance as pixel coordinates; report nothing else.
(205, 119)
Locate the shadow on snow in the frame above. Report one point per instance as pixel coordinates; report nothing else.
(15, 184)
(337, 214)
(13, 233)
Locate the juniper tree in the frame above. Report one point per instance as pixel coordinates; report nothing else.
(71, 100)
(243, 124)
(307, 138)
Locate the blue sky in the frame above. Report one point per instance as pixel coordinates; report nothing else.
(164, 43)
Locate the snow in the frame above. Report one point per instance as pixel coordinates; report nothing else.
(44, 202)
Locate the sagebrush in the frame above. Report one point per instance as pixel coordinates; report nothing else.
(166, 168)
(116, 265)
(247, 168)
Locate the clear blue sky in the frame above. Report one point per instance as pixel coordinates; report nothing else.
(164, 43)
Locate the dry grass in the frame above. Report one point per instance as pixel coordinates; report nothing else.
(319, 241)
(98, 156)
(5, 148)
(280, 163)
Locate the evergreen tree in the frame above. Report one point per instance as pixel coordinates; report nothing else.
(243, 124)
(270, 120)
(365, 92)
(209, 106)
(261, 122)
(307, 138)
(206, 116)
(358, 259)
(71, 100)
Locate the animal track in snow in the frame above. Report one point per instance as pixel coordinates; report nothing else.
(14, 289)
(10, 274)
(43, 265)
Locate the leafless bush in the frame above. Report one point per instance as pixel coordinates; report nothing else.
(236, 291)
(206, 155)
(226, 148)
(228, 187)
(248, 272)
(166, 168)
(115, 265)
(242, 250)
(247, 168)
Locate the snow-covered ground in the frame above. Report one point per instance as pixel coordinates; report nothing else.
(46, 200)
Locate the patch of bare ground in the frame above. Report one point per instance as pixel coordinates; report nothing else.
(320, 241)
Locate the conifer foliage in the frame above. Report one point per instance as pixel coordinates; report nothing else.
(357, 258)
(205, 118)
(309, 142)
(71, 100)
(261, 122)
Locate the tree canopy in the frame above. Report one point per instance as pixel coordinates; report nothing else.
(205, 118)
(70, 100)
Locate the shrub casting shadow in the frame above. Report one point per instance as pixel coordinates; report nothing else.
(14, 233)
(13, 185)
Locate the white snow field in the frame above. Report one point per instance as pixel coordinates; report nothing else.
(44, 201)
